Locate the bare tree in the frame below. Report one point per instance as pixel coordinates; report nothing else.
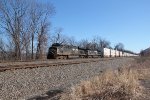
(95, 42)
(23, 20)
(84, 43)
(39, 23)
(72, 41)
(26, 45)
(34, 16)
(42, 40)
(100, 43)
(58, 37)
(12, 13)
(104, 43)
(2, 50)
(119, 46)
(6, 50)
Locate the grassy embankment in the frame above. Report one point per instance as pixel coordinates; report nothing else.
(121, 84)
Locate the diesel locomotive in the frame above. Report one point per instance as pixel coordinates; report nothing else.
(58, 51)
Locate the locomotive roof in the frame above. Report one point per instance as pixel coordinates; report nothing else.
(58, 44)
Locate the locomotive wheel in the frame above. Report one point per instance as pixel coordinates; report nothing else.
(83, 56)
(64, 57)
(59, 57)
(55, 56)
(89, 56)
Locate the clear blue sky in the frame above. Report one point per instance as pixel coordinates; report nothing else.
(125, 21)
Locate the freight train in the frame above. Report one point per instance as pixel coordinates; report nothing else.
(58, 51)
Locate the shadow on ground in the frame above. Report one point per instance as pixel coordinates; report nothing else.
(50, 95)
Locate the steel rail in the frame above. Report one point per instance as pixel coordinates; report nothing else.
(58, 63)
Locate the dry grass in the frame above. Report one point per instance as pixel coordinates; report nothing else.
(142, 59)
(142, 66)
(122, 84)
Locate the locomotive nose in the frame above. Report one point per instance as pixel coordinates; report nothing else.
(52, 53)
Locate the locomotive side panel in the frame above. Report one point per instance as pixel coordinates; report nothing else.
(67, 50)
(82, 53)
(94, 53)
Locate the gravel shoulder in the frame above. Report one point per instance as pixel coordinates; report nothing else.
(46, 82)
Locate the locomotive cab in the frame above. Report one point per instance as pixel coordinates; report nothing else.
(52, 53)
(58, 51)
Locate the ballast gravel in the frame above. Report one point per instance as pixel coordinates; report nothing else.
(38, 83)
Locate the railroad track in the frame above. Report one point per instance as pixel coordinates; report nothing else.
(47, 64)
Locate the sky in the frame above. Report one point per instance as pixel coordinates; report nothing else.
(125, 21)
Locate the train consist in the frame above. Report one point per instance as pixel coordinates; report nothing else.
(116, 53)
(58, 51)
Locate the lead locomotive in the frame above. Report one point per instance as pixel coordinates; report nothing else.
(58, 51)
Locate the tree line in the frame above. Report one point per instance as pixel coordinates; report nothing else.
(25, 23)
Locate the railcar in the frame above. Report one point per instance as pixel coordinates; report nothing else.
(106, 52)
